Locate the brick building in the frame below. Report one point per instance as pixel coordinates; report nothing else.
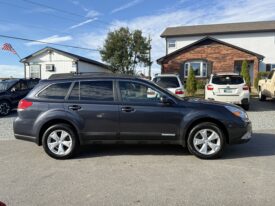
(219, 48)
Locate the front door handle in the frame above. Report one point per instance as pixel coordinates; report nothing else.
(127, 109)
(74, 107)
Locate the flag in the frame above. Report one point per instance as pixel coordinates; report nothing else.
(8, 47)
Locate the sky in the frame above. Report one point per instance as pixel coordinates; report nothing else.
(85, 23)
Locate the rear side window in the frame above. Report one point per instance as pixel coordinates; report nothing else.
(93, 91)
(55, 91)
(227, 79)
(32, 83)
(167, 82)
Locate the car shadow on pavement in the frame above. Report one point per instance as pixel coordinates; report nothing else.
(261, 144)
(261, 106)
(89, 151)
(12, 114)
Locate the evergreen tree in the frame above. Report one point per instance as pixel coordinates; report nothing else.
(245, 72)
(191, 83)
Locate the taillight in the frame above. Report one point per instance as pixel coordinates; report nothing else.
(24, 104)
(210, 87)
(245, 87)
(178, 91)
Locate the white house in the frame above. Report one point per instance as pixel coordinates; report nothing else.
(222, 47)
(48, 61)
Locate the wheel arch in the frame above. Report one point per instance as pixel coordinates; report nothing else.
(202, 120)
(52, 122)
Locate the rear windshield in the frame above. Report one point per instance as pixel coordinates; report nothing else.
(227, 79)
(167, 82)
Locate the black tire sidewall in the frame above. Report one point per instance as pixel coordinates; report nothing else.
(206, 125)
(66, 128)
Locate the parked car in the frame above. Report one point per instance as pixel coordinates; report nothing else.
(11, 91)
(267, 86)
(228, 87)
(63, 113)
(171, 82)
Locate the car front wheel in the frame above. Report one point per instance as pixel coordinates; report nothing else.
(60, 142)
(206, 141)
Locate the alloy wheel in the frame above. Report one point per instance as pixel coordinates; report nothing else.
(4, 108)
(59, 142)
(207, 142)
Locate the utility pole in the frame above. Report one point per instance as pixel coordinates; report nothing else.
(150, 57)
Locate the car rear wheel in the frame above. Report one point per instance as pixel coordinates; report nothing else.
(206, 140)
(5, 108)
(261, 96)
(60, 142)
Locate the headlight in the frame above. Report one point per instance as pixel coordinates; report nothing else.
(237, 112)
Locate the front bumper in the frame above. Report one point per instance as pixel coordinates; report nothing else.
(244, 134)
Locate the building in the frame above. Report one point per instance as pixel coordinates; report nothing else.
(219, 48)
(48, 61)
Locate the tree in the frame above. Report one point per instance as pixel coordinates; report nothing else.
(124, 50)
(191, 83)
(245, 72)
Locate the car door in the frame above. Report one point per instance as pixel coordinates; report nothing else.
(93, 102)
(143, 117)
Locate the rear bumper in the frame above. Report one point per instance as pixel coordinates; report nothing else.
(230, 99)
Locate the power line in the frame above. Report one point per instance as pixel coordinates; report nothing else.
(44, 42)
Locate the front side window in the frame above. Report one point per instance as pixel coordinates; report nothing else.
(93, 91)
(199, 68)
(270, 75)
(55, 91)
(138, 93)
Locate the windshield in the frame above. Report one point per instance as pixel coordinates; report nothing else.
(167, 82)
(227, 79)
(4, 85)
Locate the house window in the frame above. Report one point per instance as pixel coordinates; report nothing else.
(35, 71)
(172, 44)
(269, 67)
(199, 67)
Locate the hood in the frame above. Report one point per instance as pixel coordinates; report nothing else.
(192, 100)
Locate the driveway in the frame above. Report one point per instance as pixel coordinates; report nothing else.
(142, 175)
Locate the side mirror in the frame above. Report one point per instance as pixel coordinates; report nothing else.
(166, 100)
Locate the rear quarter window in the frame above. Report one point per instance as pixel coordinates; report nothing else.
(55, 91)
(227, 79)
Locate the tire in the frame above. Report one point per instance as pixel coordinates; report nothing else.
(56, 136)
(205, 148)
(245, 107)
(261, 96)
(5, 108)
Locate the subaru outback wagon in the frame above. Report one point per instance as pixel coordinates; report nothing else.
(63, 113)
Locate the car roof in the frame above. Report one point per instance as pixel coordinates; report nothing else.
(89, 76)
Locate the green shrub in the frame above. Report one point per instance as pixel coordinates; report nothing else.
(201, 83)
(191, 83)
(245, 73)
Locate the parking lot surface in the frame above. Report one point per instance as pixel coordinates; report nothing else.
(142, 175)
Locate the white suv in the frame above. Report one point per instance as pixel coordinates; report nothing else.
(170, 82)
(228, 87)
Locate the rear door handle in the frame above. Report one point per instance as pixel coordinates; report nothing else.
(74, 107)
(127, 109)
